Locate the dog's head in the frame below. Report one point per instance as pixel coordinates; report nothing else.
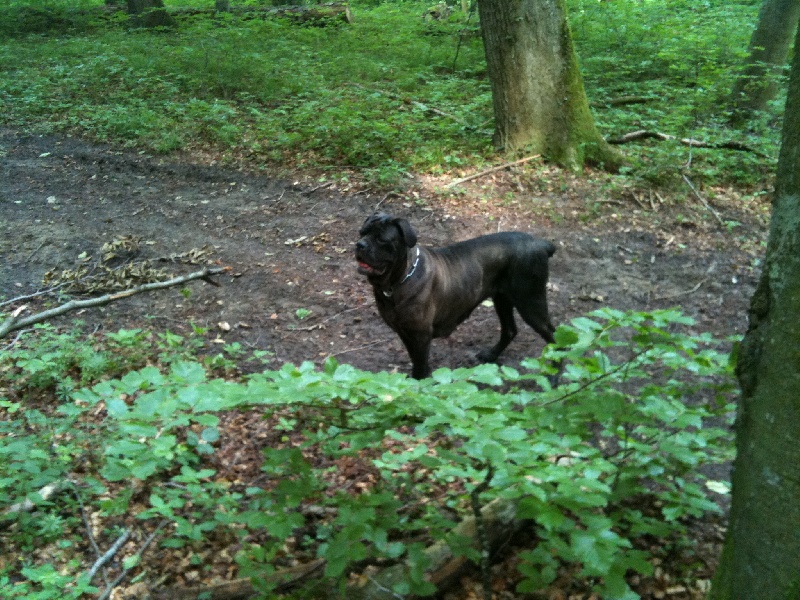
(383, 246)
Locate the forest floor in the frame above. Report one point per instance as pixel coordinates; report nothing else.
(289, 247)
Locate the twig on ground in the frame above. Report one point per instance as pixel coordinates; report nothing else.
(703, 200)
(513, 163)
(49, 290)
(321, 323)
(384, 589)
(481, 534)
(13, 342)
(39, 247)
(382, 200)
(14, 323)
(87, 524)
(109, 554)
(110, 588)
(639, 202)
(359, 347)
(682, 293)
(319, 187)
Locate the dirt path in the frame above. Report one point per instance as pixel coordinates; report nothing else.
(290, 247)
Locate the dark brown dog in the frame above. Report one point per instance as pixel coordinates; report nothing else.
(425, 293)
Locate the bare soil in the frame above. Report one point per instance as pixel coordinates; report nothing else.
(289, 247)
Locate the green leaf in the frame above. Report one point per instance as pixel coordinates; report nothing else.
(210, 434)
(116, 407)
(720, 487)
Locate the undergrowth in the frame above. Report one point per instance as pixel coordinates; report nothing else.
(388, 95)
(120, 437)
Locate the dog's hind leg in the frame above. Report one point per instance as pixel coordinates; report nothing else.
(504, 308)
(534, 312)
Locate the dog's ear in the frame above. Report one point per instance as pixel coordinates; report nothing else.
(407, 232)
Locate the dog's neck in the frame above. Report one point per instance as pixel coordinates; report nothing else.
(388, 293)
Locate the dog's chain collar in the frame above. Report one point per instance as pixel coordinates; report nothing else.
(388, 293)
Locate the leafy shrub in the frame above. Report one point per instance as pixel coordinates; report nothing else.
(640, 409)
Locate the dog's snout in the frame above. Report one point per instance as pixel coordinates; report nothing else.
(361, 245)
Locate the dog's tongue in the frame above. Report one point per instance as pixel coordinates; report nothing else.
(365, 266)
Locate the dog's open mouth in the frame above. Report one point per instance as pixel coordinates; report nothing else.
(366, 269)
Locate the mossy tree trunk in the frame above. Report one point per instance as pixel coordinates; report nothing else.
(761, 558)
(149, 13)
(769, 47)
(537, 90)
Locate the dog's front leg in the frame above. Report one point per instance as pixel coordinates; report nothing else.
(418, 344)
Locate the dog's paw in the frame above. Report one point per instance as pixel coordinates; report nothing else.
(487, 356)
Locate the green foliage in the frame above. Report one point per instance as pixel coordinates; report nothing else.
(612, 454)
(683, 57)
(388, 94)
(47, 16)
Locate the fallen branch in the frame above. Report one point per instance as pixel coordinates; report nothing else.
(656, 135)
(28, 505)
(623, 101)
(499, 518)
(15, 323)
(240, 589)
(492, 170)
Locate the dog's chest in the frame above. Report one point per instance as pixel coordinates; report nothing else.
(412, 315)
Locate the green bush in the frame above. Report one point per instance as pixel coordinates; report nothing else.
(640, 408)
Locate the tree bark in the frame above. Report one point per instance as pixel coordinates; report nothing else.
(149, 13)
(761, 558)
(769, 47)
(537, 90)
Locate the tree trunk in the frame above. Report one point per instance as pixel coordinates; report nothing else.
(761, 558)
(769, 47)
(149, 13)
(537, 91)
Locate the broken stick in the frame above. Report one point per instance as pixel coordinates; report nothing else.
(492, 170)
(14, 322)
